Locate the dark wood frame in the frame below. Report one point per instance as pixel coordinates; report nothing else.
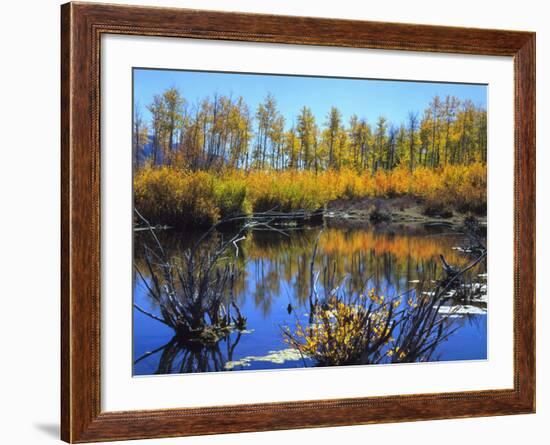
(82, 25)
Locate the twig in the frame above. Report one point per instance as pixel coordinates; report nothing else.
(149, 314)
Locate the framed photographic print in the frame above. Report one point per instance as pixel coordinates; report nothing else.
(275, 222)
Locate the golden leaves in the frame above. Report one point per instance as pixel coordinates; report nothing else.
(203, 197)
(339, 332)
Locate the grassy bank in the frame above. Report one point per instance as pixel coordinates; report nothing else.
(178, 197)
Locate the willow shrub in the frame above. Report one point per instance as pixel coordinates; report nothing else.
(231, 196)
(178, 197)
(346, 332)
(288, 190)
(461, 187)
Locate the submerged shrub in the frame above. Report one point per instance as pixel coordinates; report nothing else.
(341, 333)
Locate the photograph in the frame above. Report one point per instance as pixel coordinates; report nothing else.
(290, 221)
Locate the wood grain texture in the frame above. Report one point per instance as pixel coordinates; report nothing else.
(81, 28)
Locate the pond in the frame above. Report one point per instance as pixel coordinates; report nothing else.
(273, 284)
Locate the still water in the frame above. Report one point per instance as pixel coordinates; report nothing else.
(273, 286)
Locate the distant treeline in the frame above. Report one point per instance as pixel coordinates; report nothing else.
(222, 131)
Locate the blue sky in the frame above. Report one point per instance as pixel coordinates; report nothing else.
(365, 97)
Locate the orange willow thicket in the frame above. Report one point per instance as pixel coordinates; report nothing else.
(168, 195)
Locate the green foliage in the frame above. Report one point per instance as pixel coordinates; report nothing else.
(231, 197)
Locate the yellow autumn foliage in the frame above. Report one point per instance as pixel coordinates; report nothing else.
(177, 197)
(340, 332)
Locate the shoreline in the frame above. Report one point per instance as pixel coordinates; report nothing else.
(401, 212)
(404, 210)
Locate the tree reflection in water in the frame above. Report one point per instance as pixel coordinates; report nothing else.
(274, 274)
(179, 356)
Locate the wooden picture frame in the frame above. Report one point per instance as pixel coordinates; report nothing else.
(82, 25)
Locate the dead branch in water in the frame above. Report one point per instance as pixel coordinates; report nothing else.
(194, 291)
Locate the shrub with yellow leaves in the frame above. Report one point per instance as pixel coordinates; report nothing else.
(371, 329)
(346, 332)
(174, 196)
(179, 197)
(166, 196)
